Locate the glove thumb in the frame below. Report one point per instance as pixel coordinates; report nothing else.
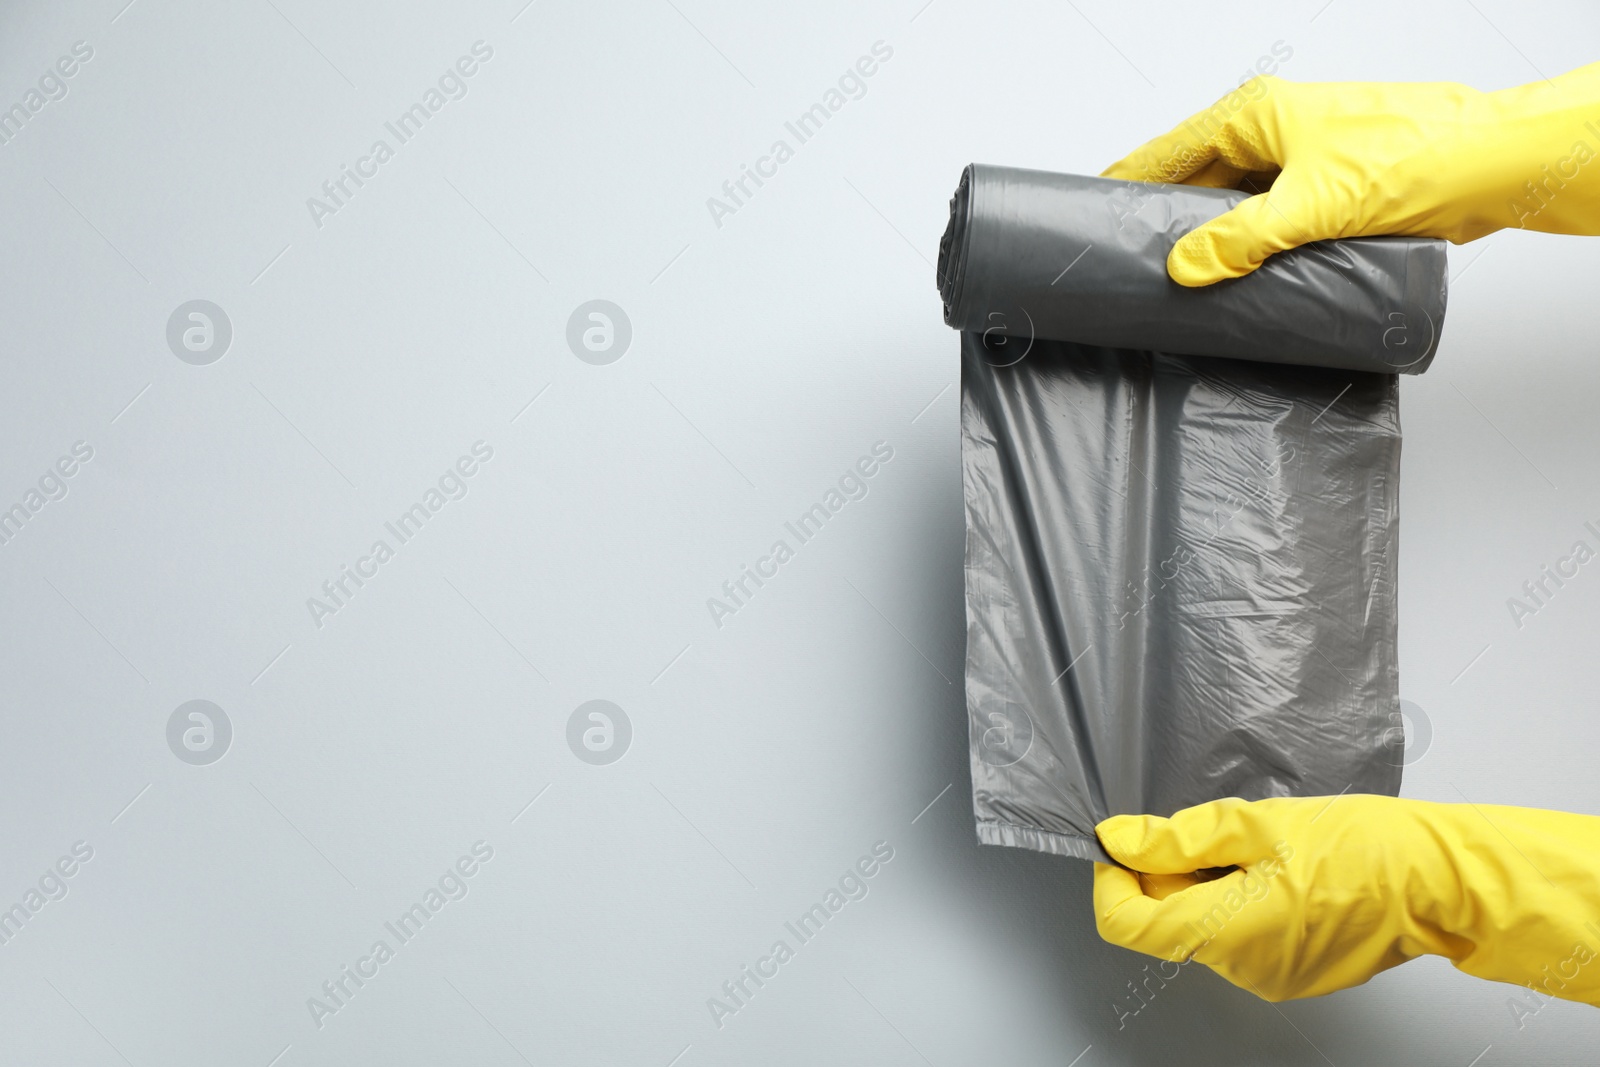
(1221, 833)
(1237, 242)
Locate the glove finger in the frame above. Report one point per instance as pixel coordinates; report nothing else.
(1218, 174)
(1175, 928)
(1221, 833)
(1230, 131)
(1122, 912)
(1237, 242)
(1172, 157)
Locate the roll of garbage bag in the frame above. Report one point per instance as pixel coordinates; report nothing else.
(1064, 257)
(1180, 565)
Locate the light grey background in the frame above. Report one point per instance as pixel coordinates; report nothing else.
(767, 354)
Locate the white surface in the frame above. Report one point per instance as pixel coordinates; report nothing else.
(767, 354)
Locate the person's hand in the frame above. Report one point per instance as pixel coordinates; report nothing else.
(1363, 159)
(1330, 891)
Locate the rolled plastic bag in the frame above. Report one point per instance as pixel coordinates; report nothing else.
(1060, 256)
(1181, 506)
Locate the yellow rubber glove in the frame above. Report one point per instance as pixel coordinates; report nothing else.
(1362, 159)
(1332, 890)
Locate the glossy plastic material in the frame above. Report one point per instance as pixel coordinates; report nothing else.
(1180, 569)
(1030, 254)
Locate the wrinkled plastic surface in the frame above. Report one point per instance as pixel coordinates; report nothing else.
(1180, 569)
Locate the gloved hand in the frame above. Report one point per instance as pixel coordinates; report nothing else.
(1331, 891)
(1362, 159)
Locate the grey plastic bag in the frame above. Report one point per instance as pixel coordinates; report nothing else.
(1180, 568)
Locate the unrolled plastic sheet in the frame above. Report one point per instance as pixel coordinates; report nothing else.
(1181, 505)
